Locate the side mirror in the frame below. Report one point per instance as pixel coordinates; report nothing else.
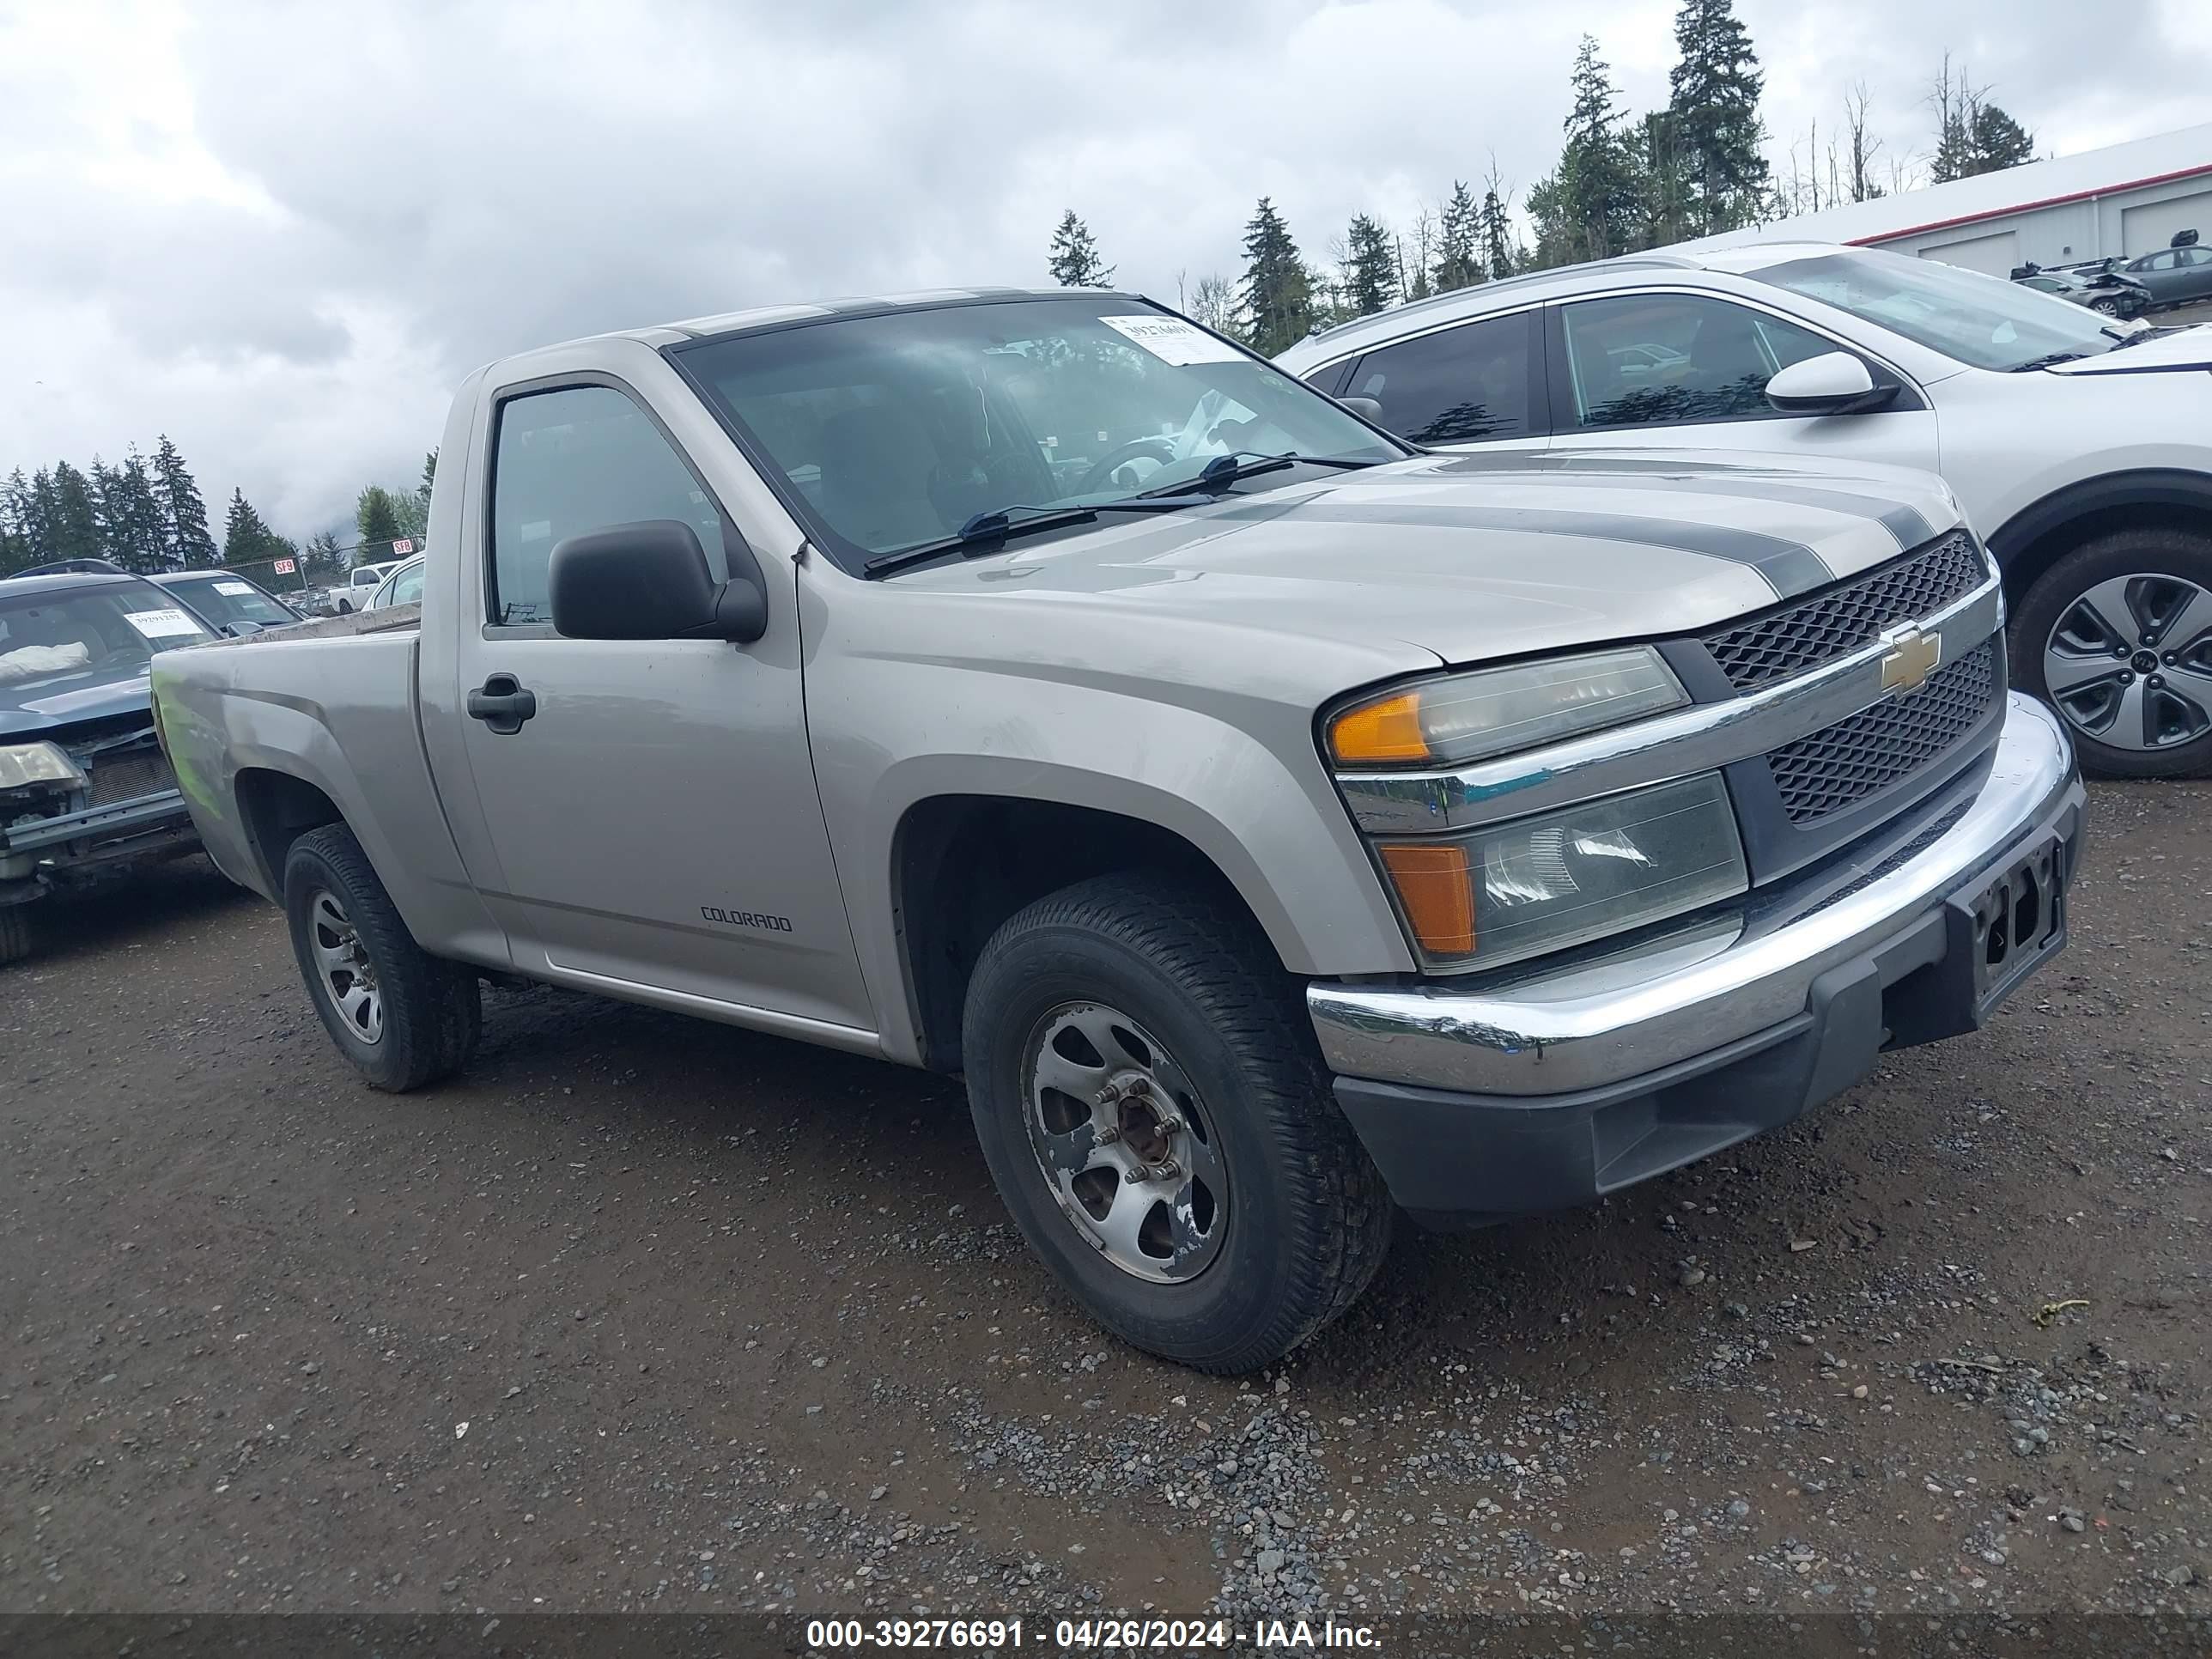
(1366, 408)
(1833, 383)
(241, 628)
(650, 580)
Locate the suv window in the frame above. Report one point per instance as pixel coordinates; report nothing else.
(1645, 359)
(1457, 385)
(2166, 260)
(574, 460)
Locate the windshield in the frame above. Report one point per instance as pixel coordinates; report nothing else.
(894, 430)
(226, 599)
(1961, 313)
(107, 633)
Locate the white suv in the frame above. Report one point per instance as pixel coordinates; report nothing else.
(2080, 446)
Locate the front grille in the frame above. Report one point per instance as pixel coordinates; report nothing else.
(1854, 759)
(1845, 616)
(127, 776)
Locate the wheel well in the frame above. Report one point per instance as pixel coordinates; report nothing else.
(2038, 538)
(963, 864)
(278, 809)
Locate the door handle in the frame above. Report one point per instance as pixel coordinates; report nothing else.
(501, 704)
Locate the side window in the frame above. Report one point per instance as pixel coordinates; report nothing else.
(2166, 261)
(408, 589)
(1458, 386)
(574, 460)
(1647, 359)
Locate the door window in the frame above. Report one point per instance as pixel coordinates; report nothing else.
(1660, 359)
(1457, 385)
(575, 460)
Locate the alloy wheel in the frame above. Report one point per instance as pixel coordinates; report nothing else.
(2130, 662)
(348, 977)
(1124, 1143)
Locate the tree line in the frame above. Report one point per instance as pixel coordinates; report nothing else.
(148, 516)
(1622, 183)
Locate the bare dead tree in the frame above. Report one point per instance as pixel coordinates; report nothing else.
(1862, 146)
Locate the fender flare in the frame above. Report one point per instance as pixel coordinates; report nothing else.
(2144, 487)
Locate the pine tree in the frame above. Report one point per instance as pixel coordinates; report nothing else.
(183, 514)
(142, 530)
(1074, 261)
(246, 538)
(1277, 293)
(322, 561)
(17, 550)
(1459, 264)
(377, 517)
(1664, 211)
(1716, 85)
(1370, 267)
(2000, 142)
(73, 530)
(1500, 248)
(429, 478)
(1587, 208)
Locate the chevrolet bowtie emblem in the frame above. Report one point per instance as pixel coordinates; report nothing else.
(1911, 658)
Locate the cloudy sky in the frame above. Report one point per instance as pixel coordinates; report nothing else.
(281, 232)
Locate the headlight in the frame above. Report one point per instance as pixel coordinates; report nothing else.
(1494, 711)
(23, 764)
(1544, 884)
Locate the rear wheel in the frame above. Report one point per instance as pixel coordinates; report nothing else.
(403, 1016)
(15, 932)
(1158, 1119)
(2117, 637)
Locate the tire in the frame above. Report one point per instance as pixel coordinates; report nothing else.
(2174, 558)
(15, 933)
(1304, 1219)
(2108, 308)
(426, 1013)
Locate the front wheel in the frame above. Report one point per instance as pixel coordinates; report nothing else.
(2117, 637)
(402, 1016)
(1159, 1120)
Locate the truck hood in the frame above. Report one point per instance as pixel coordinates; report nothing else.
(54, 702)
(1484, 556)
(2181, 350)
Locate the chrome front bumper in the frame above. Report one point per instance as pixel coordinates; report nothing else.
(1699, 991)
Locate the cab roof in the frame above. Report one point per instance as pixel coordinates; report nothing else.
(62, 581)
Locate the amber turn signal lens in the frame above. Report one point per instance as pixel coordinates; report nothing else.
(1437, 893)
(1378, 734)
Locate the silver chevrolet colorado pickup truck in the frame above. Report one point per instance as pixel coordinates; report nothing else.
(1277, 827)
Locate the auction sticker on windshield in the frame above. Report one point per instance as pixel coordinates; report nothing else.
(236, 590)
(1172, 340)
(162, 625)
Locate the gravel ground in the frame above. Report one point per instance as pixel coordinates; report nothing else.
(647, 1314)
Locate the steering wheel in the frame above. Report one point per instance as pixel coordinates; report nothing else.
(1102, 470)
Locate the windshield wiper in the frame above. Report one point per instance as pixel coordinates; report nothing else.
(2048, 360)
(1224, 471)
(986, 531)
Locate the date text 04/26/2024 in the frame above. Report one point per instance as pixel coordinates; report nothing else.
(1087, 1635)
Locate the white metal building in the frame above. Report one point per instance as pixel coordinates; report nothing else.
(2125, 200)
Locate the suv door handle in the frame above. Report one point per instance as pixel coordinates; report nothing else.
(501, 704)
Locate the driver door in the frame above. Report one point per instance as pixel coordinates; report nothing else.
(652, 816)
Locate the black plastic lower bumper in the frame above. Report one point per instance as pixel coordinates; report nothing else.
(1455, 1160)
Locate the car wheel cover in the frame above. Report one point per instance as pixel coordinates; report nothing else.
(344, 974)
(2129, 662)
(1124, 1143)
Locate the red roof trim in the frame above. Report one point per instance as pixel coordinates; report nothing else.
(2027, 206)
